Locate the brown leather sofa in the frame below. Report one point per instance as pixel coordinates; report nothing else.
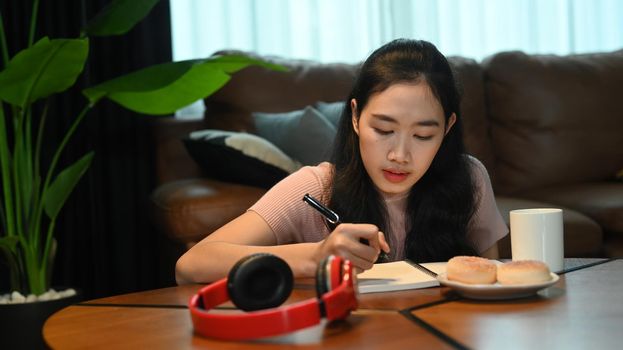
(549, 129)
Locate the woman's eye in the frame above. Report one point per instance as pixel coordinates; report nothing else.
(423, 138)
(382, 132)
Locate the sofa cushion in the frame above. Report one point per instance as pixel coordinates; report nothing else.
(331, 110)
(305, 135)
(554, 119)
(602, 201)
(583, 237)
(239, 157)
(476, 128)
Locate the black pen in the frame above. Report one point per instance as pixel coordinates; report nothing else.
(329, 214)
(333, 218)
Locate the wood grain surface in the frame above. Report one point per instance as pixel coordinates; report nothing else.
(582, 310)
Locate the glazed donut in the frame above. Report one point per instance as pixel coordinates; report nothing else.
(523, 272)
(471, 270)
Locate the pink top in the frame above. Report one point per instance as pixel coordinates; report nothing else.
(294, 221)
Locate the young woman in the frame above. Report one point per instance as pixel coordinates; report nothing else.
(399, 178)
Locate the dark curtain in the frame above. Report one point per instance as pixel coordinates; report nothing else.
(106, 243)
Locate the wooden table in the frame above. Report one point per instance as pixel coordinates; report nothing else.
(584, 309)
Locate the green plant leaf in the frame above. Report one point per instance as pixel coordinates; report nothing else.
(55, 196)
(165, 88)
(8, 243)
(166, 99)
(118, 17)
(9, 252)
(146, 79)
(47, 67)
(234, 63)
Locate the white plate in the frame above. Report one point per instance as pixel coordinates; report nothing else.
(495, 291)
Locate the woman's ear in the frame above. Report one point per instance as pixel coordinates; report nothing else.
(450, 122)
(354, 115)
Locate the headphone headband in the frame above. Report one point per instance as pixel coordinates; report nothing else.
(335, 304)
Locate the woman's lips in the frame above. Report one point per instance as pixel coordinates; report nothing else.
(395, 177)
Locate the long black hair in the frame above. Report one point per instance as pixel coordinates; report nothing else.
(441, 204)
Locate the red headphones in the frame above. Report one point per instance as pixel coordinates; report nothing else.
(259, 283)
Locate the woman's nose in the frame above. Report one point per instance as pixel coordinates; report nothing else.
(399, 152)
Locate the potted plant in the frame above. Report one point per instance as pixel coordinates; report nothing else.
(32, 193)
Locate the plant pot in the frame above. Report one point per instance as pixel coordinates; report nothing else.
(23, 323)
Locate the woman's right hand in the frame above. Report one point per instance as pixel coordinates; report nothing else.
(345, 241)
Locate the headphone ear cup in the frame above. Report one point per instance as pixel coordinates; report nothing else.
(321, 284)
(323, 276)
(259, 281)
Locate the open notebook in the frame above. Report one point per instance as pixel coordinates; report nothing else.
(399, 275)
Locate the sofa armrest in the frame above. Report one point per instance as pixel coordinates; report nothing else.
(188, 210)
(600, 200)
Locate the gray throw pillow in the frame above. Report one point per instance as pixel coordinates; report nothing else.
(331, 110)
(304, 135)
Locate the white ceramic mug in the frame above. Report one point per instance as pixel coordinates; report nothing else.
(537, 234)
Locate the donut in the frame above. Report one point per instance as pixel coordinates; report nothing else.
(471, 270)
(523, 272)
